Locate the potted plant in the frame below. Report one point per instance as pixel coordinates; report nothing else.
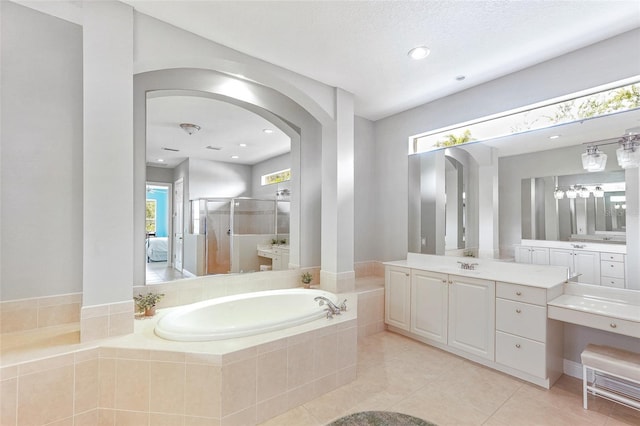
(306, 279)
(147, 302)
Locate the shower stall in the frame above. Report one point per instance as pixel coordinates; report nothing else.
(229, 231)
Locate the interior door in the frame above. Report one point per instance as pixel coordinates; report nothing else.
(178, 223)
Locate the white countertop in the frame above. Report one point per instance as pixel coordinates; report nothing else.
(578, 245)
(543, 276)
(606, 307)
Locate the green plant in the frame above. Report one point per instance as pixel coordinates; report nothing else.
(283, 241)
(147, 301)
(307, 277)
(274, 241)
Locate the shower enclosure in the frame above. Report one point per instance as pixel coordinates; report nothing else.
(230, 230)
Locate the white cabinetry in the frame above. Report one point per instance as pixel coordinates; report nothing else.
(280, 258)
(534, 255)
(525, 339)
(471, 315)
(586, 264)
(397, 297)
(429, 305)
(449, 309)
(612, 270)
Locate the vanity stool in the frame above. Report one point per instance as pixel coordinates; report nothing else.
(616, 375)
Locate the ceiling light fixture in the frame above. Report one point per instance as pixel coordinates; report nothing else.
(160, 160)
(419, 52)
(267, 131)
(189, 128)
(554, 136)
(243, 145)
(235, 157)
(594, 160)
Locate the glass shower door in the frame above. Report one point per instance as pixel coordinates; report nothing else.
(218, 226)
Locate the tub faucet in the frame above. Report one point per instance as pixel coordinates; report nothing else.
(332, 309)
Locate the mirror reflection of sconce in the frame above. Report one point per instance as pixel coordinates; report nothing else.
(578, 190)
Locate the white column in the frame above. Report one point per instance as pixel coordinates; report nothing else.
(108, 163)
(632, 273)
(337, 271)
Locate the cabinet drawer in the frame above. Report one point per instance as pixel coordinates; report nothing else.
(612, 269)
(612, 282)
(612, 257)
(522, 293)
(522, 354)
(522, 319)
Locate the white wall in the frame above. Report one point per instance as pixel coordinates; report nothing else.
(41, 143)
(160, 174)
(366, 192)
(216, 179)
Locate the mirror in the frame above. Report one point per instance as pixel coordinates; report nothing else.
(235, 169)
(588, 207)
(440, 199)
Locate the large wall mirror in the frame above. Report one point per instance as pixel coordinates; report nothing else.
(582, 207)
(508, 190)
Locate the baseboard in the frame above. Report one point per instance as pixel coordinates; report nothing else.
(572, 368)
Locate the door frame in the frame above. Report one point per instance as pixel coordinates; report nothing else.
(169, 187)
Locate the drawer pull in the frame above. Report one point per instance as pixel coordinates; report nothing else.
(611, 266)
(444, 281)
(518, 345)
(518, 311)
(518, 293)
(613, 325)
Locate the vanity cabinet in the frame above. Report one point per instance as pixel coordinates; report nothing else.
(495, 315)
(612, 270)
(586, 264)
(448, 309)
(532, 255)
(280, 258)
(521, 328)
(397, 297)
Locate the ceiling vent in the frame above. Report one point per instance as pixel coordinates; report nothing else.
(170, 149)
(214, 148)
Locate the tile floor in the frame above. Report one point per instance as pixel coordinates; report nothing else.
(398, 374)
(159, 272)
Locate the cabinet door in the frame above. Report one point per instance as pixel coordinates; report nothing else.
(471, 315)
(429, 298)
(523, 254)
(397, 291)
(561, 257)
(587, 264)
(540, 255)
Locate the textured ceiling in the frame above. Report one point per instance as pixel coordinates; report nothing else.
(361, 46)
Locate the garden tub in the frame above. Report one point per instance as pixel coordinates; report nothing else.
(242, 315)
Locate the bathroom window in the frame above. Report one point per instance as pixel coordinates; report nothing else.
(151, 216)
(276, 177)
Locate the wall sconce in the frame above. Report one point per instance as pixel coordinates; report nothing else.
(584, 192)
(558, 194)
(571, 193)
(598, 192)
(629, 152)
(189, 128)
(594, 160)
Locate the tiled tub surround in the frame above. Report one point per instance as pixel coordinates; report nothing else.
(140, 379)
(40, 312)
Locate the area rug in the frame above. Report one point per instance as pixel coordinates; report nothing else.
(379, 418)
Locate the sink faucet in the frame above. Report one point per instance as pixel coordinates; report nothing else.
(468, 266)
(332, 309)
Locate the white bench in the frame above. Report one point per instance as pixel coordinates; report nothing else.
(618, 372)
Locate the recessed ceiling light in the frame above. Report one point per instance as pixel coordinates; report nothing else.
(419, 52)
(235, 157)
(160, 160)
(554, 136)
(243, 145)
(267, 131)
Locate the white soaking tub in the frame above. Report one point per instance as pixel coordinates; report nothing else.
(242, 315)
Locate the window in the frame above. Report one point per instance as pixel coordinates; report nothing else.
(151, 217)
(276, 177)
(576, 107)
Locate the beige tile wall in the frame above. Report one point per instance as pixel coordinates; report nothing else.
(110, 386)
(29, 314)
(370, 312)
(368, 269)
(102, 321)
